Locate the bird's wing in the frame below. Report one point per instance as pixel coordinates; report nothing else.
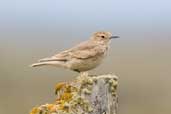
(86, 50)
(62, 56)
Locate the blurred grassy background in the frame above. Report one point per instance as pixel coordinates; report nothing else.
(30, 30)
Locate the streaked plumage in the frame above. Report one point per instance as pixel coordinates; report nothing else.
(83, 57)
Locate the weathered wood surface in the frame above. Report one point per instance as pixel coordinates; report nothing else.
(85, 95)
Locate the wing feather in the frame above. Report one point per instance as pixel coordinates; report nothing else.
(86, 50)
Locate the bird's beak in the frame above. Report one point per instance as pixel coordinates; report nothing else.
(112, 37)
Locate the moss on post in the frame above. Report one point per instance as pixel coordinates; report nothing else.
(85, 95)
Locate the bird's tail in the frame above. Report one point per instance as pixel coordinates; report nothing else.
(50, 63)
(38, 64)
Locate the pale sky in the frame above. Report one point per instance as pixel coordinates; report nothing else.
(29, 14)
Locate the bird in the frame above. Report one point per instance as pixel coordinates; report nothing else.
(82, 57)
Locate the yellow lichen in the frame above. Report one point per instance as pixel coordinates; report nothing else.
(59, 86)
(50, 107)
(68, 98)
(35, 110)
(63, 107)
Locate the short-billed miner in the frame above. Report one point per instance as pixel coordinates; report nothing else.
(84, 56)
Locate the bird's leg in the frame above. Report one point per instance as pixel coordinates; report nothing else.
(84, 74)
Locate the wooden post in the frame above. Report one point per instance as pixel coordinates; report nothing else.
(85, 95)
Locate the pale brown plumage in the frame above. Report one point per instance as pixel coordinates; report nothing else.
(83, 57)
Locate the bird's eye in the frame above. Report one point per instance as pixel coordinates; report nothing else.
(103, 36)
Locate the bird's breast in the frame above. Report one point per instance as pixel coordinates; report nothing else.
(86, 64)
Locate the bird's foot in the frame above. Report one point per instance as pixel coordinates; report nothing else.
(83, 75)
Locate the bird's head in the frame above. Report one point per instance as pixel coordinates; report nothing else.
(103, 37)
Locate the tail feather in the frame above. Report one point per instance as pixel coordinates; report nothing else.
(38, 64)
(50, 63)
(52, 59)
